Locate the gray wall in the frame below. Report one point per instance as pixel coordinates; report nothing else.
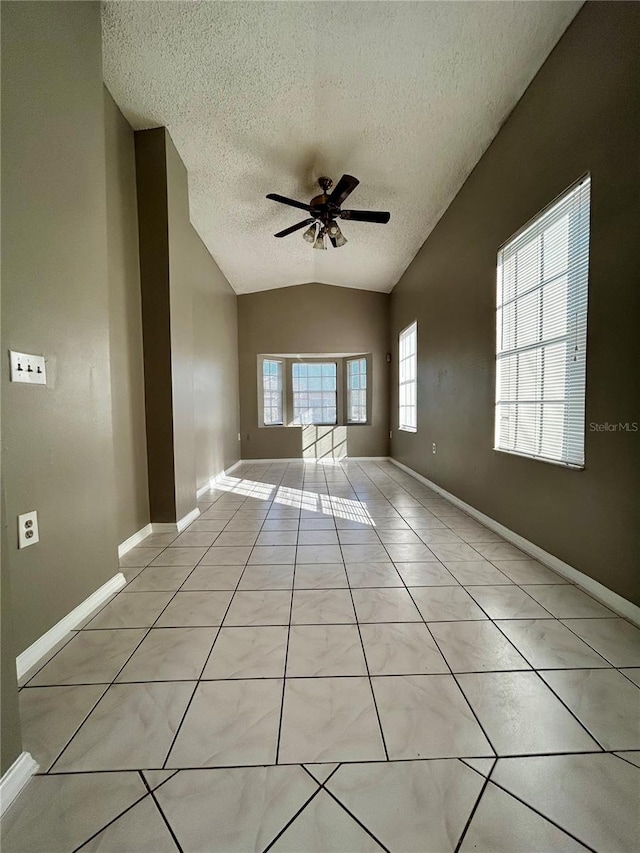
(125, 326)
(312, 318)
(581, 113)
(57, 440)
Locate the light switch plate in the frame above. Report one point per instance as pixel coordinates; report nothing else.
(28, 368)
(28, 529)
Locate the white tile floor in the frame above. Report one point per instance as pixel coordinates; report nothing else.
(334, 658)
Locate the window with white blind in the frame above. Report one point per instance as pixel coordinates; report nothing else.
(357, 390)
(272, 407)
(408, 378)
(315, 392)
(542, 333)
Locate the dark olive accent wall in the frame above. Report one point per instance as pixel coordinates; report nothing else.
(153, 226)
(125, 326)
(580, 114)
(312, 318)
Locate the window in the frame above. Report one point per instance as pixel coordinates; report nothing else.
(408, 368)
(314, 392)
(542, 333)
(272, 392)
(357, 391)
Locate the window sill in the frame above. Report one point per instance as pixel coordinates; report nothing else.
(408, 429)
(571, 465)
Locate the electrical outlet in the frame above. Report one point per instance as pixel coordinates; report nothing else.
(28, 529)
(28, 368)
(239, 437)
(433, 447)
(390, 433)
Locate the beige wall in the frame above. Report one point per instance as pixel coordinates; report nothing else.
(57, 440)
(125, 326)
(312, 318)
(190, 338)
(581, 113)
(75, 450)
(215, 366)
(181, 307)
(204, 349)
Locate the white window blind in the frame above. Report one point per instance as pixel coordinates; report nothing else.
(272, 392)
(357, 390)
(314, 392)
(542, 333)
(408, 378)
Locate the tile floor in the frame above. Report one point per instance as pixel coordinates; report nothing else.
(334, 658)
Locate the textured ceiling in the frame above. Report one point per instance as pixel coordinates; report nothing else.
(267, 97)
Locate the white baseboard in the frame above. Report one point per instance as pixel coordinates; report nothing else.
(273, 461)
(16, 777)
(204, 489)
(134, 540)
(367, 458)
(607, 596)
(211, 484)
(175, 526)
(188, 518)
(30, 656)
(309, 459)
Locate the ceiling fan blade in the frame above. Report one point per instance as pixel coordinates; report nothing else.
(294, 228)
(345, 186)
(366, 216)
(284, 200)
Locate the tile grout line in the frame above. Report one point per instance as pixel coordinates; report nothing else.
(165, 818)
(112, 682)
(411, 760)
(294, 818)
(199, 680)
(472, 813)
(286, 653)
(539, 813)
(357, 820)
(364, 654)
(113, 819)
(424, 622)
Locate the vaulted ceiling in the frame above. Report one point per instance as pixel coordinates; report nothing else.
(266, 97)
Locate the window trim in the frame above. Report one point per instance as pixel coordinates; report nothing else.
(413, 326)
(283, 396)
(367, 390)
(577, 291)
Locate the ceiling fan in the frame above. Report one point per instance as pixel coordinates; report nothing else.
(325, 209)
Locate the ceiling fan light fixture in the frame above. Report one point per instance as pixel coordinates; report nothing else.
(320, 241)
(336, 236)
(310, 234)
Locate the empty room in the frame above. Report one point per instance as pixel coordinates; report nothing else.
(320, 426)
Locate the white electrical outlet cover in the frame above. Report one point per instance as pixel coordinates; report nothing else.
(28, 529)
(28, 368)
